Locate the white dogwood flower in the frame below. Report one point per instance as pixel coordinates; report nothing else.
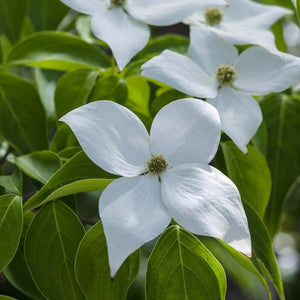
(122, 23)
(166, 174)
(242, 22)
(214, 70)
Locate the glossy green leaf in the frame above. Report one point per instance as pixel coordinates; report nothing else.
(12, 15)
(181, 267)
(58, 51)
(110, 88)
(92, 268)
(78, 168)
(39, 165)
(63, 138)
(50, 248)
(23, 121)
(47, 14)
(17, 272)
(285, 3)
(73, 90)
(3, 297)
(250, 173)
(262, 248)
(281, 114)
(12, 183)
(11, 223)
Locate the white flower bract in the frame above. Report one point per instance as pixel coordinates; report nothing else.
(123, 27)
(255, 71)
(137, 207)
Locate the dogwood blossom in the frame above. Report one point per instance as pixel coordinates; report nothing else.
(122, 23)
(166, 174)
(214, 70)
(242, 22)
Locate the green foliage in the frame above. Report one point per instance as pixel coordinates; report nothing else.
(12, 183)
(181, 267)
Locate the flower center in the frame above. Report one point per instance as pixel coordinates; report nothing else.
(226, 74)
(157, 164)
(213, 16)
(117, 2)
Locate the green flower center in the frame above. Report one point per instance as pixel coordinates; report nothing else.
(226, 74)
(213, 16)
(117, 2)
(157, 164)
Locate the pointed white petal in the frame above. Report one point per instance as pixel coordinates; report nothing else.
(203, 200)
(181, 73)
(250, 13)
(166, 12)
(186, 131)
(240, 115)
(125, 36)
(260, 72)
(89, 7)
(112, 137)
(210, 51)
(132, 214)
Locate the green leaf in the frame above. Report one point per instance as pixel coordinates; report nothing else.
(73, 90)
(12, 183)
(262, 248)
(12, 15)
(17, 272)
(50, 248)
(250, 173)
(58, 51)
(3, 297)
(39, 165)
(110, 88)
(92, 268)
(298, 8)
(47, 14)
(23, 121)
(11, 223)
(76, 169)
(281, 114)
(181, 267)
(63, 138)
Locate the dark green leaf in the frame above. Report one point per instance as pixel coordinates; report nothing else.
(39, 165)
(181, 267)
(12, 183)
(63, 138)
(50, 248)
(250, 173)
(92, 268)
(47, 14)
(76, 169)
(58, 51)
(22, 122)
(281, 113)
(73, 90)
(11, 223)
(12, 15)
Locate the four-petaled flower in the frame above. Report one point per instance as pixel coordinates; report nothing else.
(214, 70)
(166, 174)
(241, 22)
(122, 23)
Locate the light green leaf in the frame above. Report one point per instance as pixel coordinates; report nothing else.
(3, 297)
(181, 267)
(12, 15)
(11, 223)
(92, 268)
(298, 8)
(58, 51)
(23, 121)
(50, 248)
(12, 183)
(78, 168)
(39, 165)
(73, 90)
(281, 114)
(250, 173)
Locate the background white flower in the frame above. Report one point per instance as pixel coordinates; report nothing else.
(166, 175)
(122, 23)
(214, 70)
(242, 22)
